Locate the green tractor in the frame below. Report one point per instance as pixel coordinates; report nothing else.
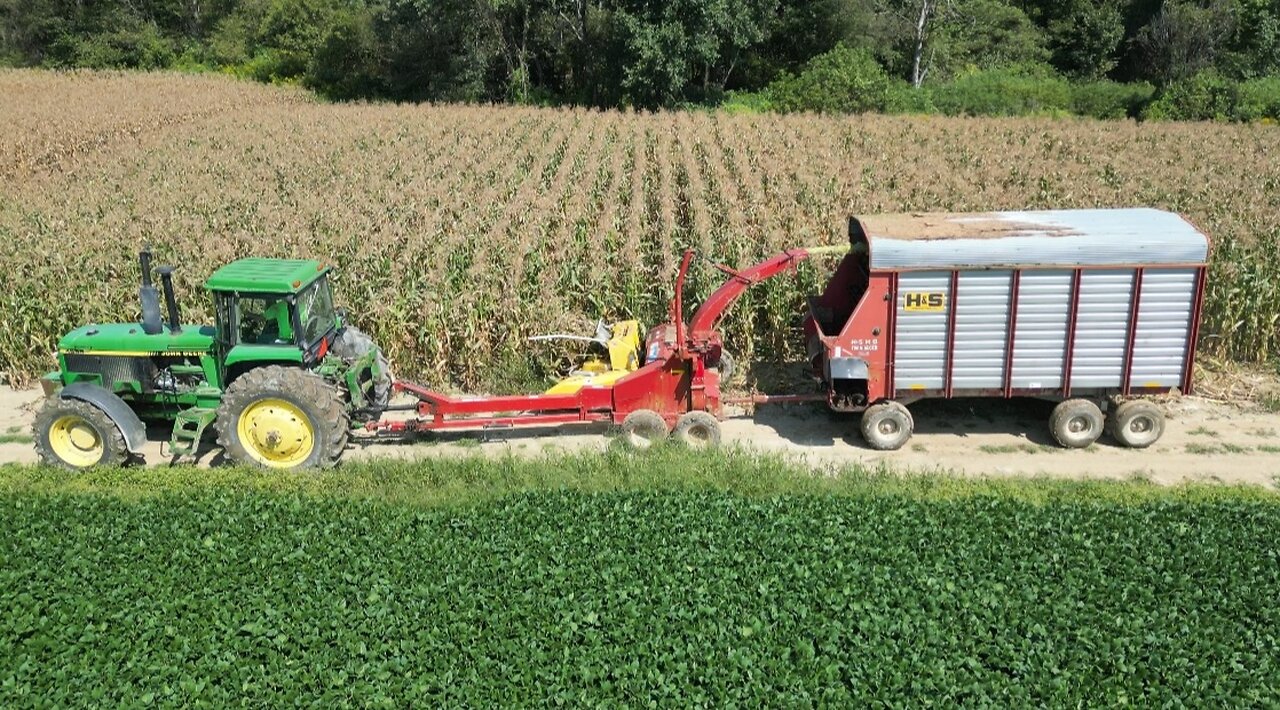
(280, 376)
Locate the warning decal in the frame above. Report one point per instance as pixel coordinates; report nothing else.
(925, 301)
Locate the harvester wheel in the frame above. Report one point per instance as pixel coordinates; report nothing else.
(697, 430)
(887, 426)
(643, 428)
(727, 366)
(74, 434)
(1137, 423)
(283, 417)
(1076, 423)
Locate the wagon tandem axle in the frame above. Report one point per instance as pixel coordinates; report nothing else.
(1081, 306)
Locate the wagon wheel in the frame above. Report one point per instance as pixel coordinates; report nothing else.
(887, 426)
(1137, 423)
(1076, 423)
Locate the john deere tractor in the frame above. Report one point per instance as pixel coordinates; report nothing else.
(279, 375)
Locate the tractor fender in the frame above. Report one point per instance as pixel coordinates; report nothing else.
(134, 431)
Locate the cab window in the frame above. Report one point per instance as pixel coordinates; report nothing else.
(265, 320)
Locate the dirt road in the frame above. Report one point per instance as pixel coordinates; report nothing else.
(1204, 441)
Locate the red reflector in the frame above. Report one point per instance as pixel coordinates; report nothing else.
(324, 348)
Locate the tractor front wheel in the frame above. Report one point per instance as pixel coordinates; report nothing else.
(77, 435)
(283, 417)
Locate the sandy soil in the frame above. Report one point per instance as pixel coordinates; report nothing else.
(1204, 441)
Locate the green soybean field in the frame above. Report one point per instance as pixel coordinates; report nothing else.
(644, 580)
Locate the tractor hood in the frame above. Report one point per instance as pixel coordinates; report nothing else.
(128, 339)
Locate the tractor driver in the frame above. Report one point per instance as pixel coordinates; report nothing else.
(265, 321)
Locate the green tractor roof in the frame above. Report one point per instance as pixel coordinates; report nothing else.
(266, 275)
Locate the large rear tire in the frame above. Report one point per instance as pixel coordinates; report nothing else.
(887, 426)
(76, 435)
(283, 418)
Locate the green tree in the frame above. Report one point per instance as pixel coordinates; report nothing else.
(1084, 37)
(1184, 38)
(1255, 48)
(345, 63)
(986, 34)
(674, 51)
(843, 80)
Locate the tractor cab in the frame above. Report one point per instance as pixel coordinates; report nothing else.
(272, 309)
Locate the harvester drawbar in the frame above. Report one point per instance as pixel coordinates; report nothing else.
(1094, 309)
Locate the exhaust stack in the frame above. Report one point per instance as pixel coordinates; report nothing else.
(170, 300)
(147, 295)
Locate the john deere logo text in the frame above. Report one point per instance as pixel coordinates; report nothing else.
(925, 301)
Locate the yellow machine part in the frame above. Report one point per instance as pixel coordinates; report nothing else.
(623, 348)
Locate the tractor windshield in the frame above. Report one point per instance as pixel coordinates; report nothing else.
(315, 311)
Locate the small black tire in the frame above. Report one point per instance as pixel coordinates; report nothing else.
(697, 430)
(76, 435)
(727, 366)
(1076, 423)
(643, 428)
(887, 426)
(301, 398)
(1137, 423)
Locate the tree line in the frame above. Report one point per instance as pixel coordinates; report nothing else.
(643, 53)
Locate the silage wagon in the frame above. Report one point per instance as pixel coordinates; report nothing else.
(1090, 307)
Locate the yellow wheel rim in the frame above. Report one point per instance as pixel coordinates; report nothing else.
(76, 441)
(276, 433)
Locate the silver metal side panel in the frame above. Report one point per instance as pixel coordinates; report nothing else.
(1164, 321)
(919, 353)
(982, 304)
(1040, 344)
(1102, 328)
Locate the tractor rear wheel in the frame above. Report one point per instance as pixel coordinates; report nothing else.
(643, 428)
(887, 426)
(283, 417)
(73, 434)
(1137, 423)
(1076, 423)
(697, 430)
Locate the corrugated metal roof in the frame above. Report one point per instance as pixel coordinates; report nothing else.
(1045, 238)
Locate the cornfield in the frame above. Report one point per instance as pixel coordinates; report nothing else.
(459, 231)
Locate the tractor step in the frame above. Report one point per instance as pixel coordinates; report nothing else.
(188, 429)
